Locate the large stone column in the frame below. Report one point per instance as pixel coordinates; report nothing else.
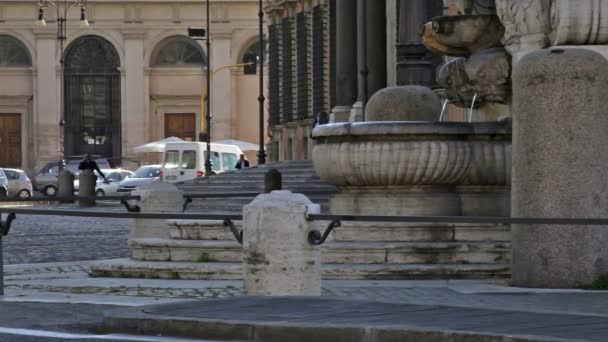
(47, 111)
(135, 118)
(346, 60)
(415, 63)
(560, 152)
(371, 52)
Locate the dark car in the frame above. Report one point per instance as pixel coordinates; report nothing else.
(45, 180)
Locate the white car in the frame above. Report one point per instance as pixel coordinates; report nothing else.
(114, 177)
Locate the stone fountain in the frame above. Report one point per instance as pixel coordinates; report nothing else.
(389, 166)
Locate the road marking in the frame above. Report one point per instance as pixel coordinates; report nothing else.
(114, 337)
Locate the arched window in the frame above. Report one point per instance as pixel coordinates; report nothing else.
(251, 56)
(13, 53)
(178, 51)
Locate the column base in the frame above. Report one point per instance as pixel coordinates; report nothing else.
(340, 114)
(356, 113)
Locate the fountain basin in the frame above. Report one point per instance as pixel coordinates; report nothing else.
(430, 168)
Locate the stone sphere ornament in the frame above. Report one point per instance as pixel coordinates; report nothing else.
(406, 103)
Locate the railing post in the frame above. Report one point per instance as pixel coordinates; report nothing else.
(278, 260)
(273, 181)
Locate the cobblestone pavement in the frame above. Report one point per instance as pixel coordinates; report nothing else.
(38, 239)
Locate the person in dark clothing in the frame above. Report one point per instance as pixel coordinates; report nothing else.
(320, 119)
(88, 164)
(243, 163)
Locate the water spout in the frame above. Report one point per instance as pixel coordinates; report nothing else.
(445, 105)
(472, 106)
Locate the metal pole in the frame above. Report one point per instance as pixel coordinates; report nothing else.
(364, 67)
(61, 36)
(208, 169)
(261, 98)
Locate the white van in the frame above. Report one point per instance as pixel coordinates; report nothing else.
(184, 161)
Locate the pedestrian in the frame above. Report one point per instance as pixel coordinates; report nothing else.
(243, 163)
(88, 164)
(321, 118)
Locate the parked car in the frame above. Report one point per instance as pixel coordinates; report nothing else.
(19, 184)
(184, 161)
(3, 185)
(45, 180)
(114, 177)
(144, 175)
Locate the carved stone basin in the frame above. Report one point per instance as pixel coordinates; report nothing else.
(417, 165)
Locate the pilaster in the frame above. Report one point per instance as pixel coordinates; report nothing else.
(135, 118)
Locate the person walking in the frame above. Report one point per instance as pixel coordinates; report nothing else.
(243, 163)
(88, 164)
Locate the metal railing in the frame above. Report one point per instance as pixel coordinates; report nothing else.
(9, 214)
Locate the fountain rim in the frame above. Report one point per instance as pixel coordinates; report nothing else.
(412, 128)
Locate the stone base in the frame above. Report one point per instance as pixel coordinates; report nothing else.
(340, 114)
(485, 200)
(423, 200)
(356, 113)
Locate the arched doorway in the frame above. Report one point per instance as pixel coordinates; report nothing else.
(92, 99)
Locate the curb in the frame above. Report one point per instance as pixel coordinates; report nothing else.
(139, 322)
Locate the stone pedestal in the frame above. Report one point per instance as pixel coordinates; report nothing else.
(65, 184)
(340, 114)
(356, 112)
(86, 187)
(278, 259)
(560, 150)
(156, 197)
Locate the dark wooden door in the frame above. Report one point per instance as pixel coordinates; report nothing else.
(181, 125)
(10, 140)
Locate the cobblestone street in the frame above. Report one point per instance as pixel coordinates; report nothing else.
(42, 239)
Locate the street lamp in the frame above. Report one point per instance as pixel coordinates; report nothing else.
(200, 34)
(261, 98)
(62, 8)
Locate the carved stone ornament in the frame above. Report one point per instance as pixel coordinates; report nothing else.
(527, 23)
(581, 22)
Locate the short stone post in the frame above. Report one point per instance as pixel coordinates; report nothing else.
(157, 197)
(273, 181)
(86, 188)
(560, 154)
(65, 184)
(278, 259)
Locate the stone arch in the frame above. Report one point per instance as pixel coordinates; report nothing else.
(13, 52)
(177, 51)
(250, 54)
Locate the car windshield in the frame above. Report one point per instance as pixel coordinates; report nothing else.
(147, 172)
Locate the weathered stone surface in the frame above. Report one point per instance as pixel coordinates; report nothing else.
(278, 259)
(407, 103)
(579, 22)
(157, 197)
(560, 150)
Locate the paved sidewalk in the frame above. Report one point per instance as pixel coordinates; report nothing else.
(478, 307)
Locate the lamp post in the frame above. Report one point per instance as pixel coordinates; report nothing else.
(198, 34)
(62, 8)
(261, 98)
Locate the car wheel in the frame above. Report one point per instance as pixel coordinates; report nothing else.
(24, 194)
(50, 191)
(100, 193)
(3, 193)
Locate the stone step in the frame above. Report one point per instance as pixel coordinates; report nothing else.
(361, 231)
(332, 252)
(128, 268)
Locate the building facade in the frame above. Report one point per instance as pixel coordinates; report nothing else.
(333, 55)
(132, 76)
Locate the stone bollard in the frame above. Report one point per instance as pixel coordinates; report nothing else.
(65, 184)
(156, 197)
(273, 181)
(278, 260)
(560, 152)
(86, 188)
